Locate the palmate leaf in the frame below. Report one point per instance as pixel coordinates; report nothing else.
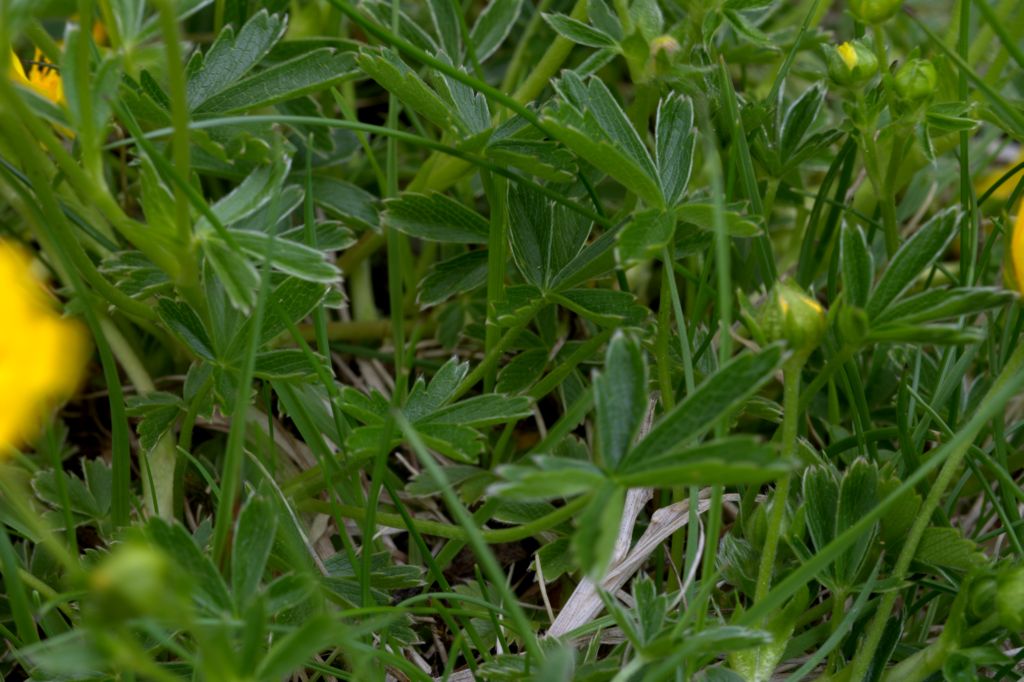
(231, 56)
(545, 236)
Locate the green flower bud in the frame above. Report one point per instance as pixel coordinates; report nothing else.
(1010, 597)
(874, 11)
(916, 80)
(791, 315)
(137, 579)
(851, 63)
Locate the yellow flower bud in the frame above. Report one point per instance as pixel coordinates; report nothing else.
(848, 54)
(791, 315)
(851, 63)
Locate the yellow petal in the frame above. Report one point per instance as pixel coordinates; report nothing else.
(1017, 252)
(848, 54)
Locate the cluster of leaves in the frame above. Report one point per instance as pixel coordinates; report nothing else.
(425, 328)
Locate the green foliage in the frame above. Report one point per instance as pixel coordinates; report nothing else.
(429, 343)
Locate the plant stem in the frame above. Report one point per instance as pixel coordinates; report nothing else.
(791, 373)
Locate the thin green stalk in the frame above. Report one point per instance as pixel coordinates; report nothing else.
(791, 373)
(497, 256)
(180, 141)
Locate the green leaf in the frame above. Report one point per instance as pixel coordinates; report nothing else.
(858, 494)
(287, 256)
(493, 25)
(578, 32)
(545, 236)
(435, 217)
(547, 478)
(644, 237)
(606, 307)
(604, 18)
(254, 538)
(295, 298)
(703, 216)
(942, 304)
(721, 393)
(385, 67)
(305, 74)
(483, 410)
(927, 244)
(545, 159)
(185, 324)
(799, 120)
(231, 57)
(252, 194)
(159, 411)
(675, 137)
(522, 371)
(948, 548)
(858, 266)
(446, 20)
(597, 529)
(729, 461)
(235, 272)
(457, 275)
(284, 363)
(179, 545)
(352, 205)
(425, 399)
(620, 395)
(609, 159)
(594, 260)
(938, 334)
(292, 650)
(821, 501)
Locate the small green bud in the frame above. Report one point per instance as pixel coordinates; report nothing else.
(665, 43)
(916, 80)
(874, 11)
(1010, 597)
(851, 63)
(791, 315)
(136, 578)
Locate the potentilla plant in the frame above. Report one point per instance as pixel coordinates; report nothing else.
(510, 339)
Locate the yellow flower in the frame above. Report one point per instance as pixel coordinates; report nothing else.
(42, 355)
(42, 77)
(849, 54)
(1017, 254)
